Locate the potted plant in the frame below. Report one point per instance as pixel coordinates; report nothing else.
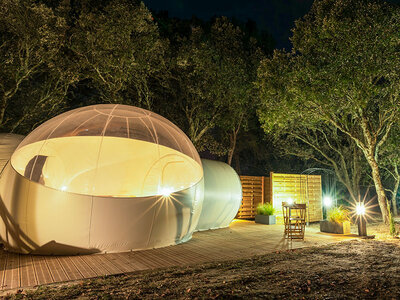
(338, 221)
(265, 214)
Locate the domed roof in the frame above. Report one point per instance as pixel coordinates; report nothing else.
(109, 150)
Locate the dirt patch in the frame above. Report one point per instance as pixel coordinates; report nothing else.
(352, 269)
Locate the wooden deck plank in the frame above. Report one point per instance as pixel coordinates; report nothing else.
(137, 259)
(119, 263)
(153, 255)
(3, 263)
(56, 269)
(112, 268)
(27, 272)
(11, 276)
(43, 274)
(130, 261)
(69, 268)
(94, 265)
(82, 267)
(242, 239)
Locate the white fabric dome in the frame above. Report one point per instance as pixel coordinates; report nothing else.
(109, 150)
(222, 195)
(101, 178)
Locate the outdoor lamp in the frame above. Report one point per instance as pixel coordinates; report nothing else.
(362, 224)
(327, 201)
(166, 191)
(360, 209)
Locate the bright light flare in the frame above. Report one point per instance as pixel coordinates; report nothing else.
(64, 188)
(360, 209)
(327, 201)
(364, 208)
(290, 201)
(166, 191)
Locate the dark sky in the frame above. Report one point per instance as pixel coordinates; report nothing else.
(276, 16)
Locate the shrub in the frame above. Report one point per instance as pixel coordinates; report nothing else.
(265, 209)
(338, 214)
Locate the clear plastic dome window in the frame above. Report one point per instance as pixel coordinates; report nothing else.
(109, 150)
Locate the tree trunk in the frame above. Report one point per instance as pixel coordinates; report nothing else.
(394, 202)
(3, 106)
(380, 191)
(232, 148)
(394, 194)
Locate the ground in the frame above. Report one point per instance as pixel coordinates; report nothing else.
(360, 268)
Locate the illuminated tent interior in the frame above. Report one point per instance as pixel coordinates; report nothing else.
(222, 195)
(102, 178)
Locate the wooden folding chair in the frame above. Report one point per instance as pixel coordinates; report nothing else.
(294, 217)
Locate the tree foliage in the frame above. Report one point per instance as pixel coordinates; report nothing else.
(34, 76)
(59, 54)
(343, 72)
(120, 51)
(212, 74)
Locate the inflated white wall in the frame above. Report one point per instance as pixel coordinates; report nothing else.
(102, 178)
(41, 220)
(222, 195)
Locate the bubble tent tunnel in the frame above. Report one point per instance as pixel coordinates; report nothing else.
(110, 178)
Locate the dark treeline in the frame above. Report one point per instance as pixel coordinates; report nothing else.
(331, 102)
(57, 55)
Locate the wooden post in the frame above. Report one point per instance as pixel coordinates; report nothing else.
(271, 195)
(262, 189)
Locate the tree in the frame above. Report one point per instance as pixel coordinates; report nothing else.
(120, 50)
(211, 81)
(34, 76)
(343, 72)
(390, 164)
(237, 60)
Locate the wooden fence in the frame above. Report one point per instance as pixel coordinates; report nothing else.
(278, 188)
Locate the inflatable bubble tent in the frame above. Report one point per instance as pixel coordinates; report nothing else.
(102, 178)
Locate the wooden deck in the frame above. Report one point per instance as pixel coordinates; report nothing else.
(242, 239)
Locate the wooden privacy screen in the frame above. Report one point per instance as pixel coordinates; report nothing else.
(278, 188)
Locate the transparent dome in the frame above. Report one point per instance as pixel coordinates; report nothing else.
(109, 150)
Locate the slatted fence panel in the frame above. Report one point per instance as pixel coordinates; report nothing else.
(278, 188)
(301, 189)
(252, 189)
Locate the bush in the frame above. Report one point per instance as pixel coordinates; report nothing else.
(265, 209)
(338, 214)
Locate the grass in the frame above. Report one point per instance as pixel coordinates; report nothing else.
(265, 209)
(338, 214)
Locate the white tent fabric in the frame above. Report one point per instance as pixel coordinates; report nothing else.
(102, 178)
(222, 195)
(8, 143)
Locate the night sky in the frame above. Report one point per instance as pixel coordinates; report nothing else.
(276, 16)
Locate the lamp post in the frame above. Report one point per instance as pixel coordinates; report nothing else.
(362, 224)
(327, 203)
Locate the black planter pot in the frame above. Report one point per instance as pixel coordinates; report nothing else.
(264, 219)
(333, 227)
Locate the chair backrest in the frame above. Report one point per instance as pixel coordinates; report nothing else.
(295, 209)
(300, 210)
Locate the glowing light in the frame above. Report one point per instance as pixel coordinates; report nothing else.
(360, 208)
(166, 191)
(64, 188)
(290, 201)
(327, 201)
